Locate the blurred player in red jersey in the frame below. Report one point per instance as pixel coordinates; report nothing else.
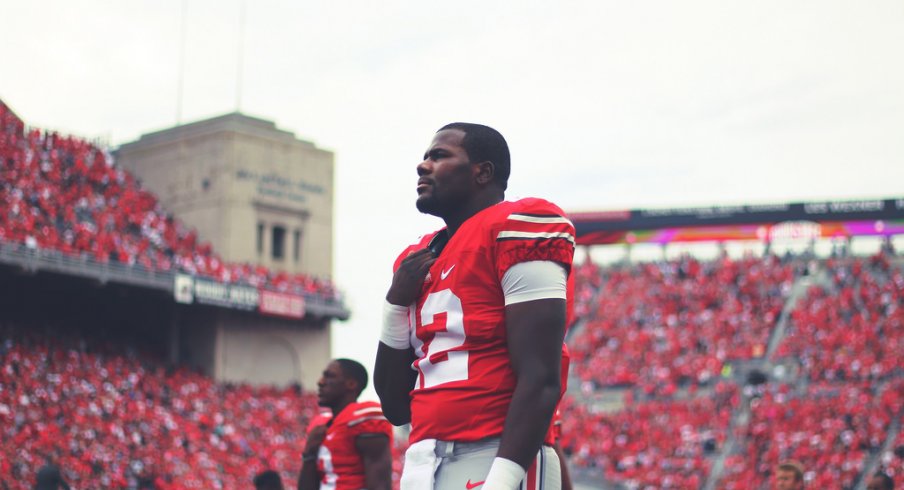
(471, 348)
(556, 429)
(350, 449)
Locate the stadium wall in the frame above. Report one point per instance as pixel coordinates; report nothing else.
(246, 347)
(274, 351)
(255, 192)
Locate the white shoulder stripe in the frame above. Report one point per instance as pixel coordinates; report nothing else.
(365, 419)
(509, 235)
(362, 411)
(539, 219)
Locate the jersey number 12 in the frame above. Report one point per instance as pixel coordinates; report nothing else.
(441, 314)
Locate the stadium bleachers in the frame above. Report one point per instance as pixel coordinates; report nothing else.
(831, 428)
(851, 328)
(663, 332)
(662, 325)
(66, 195)
(114, 420)
(651, 444)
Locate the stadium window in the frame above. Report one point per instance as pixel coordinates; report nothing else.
(279, 237)
(296, 251)
(260, 239)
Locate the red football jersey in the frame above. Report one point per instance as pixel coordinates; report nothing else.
(465, 382)
(338, 462)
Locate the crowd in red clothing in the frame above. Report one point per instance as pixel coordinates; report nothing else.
(662, 325)
(114, 420)
(64, 194)
(854, 328)
(586, 284)
(653, 327)
(651, 444)
(830, 428)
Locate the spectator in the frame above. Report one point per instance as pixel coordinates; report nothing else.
(789, 475)
(268, 480)
(880, 481)
(50, 478)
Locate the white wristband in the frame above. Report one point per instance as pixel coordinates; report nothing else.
(395, 326)
(505, 474)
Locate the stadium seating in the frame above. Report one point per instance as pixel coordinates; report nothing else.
(651, 444)
(661, 332)
(892, 460)
(853, 327)
(830, 428)
(64, 194)
(116, 421)
(663, 325)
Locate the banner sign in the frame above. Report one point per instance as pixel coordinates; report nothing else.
(183, 289)
(780, 231)
(281, 304)
(617, 226)
(188, 289)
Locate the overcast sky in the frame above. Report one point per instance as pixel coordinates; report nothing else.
(605, 104)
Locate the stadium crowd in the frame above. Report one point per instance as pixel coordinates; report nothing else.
(63, 194)
(113, 420)
(831, 428)
(663, 443)
(853, 327)
(665, 332)
(663, 325)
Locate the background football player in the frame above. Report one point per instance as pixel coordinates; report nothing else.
(348, 449)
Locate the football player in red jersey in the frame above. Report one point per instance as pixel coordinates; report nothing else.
(349, 450)
(471, 348)
(556, 435)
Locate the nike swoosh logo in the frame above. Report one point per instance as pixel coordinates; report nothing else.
(442, 275)
(470, 485)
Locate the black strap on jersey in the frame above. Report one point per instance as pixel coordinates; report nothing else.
(438, 242)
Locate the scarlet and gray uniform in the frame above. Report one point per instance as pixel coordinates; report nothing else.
(338, 462)
(465, 382)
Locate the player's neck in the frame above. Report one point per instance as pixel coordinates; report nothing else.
(470, 208)
(340, 406)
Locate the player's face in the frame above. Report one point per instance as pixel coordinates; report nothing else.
(446, 176)
(784, 480)
(331, 386)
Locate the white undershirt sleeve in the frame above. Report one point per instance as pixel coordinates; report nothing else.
(537, 279)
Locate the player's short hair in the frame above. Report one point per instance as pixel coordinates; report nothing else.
(484, 143)
(887, 482)
(268, 480)
(793, 467)
(354, 370)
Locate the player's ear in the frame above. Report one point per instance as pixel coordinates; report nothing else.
(486, 170)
